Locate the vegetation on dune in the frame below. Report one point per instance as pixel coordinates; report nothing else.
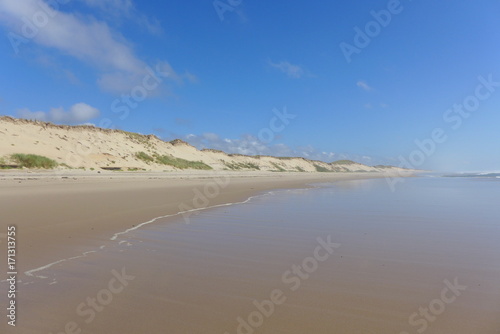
(241, 165)
(321, 168)
(136, 137)
(251, 165)
(141, 139)
(180, 163)
(172, 161)
(278, 167)
(33, 161)
(135, 169)
(300, 169)
(343, 162)
(144, 157)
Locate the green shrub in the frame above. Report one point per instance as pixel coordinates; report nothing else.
(241, 165)
(343, 162)
(180, 163)
(144, 157)
(33, 161)
(136, 137)
(321, 168)
(278, 167)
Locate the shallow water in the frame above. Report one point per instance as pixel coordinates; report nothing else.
(265, 266)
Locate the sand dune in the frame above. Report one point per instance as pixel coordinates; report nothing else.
(91, 147)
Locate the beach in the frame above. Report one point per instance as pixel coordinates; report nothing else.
(59, 215)
(337, 253)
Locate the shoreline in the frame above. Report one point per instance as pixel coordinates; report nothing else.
(77, 212)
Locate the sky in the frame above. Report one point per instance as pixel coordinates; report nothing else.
(408, 83)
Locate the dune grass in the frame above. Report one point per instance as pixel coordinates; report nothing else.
(343, 162)
(321, 168)
(135, 169)
(181, 163)
(33, 161)
(144, 157)
(241, 165)
(278, 167)
(172, 161)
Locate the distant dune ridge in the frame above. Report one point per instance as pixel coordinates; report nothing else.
(89, 147)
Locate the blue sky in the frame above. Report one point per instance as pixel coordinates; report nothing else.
(364, 80)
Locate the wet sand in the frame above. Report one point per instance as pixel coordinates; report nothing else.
(58, 218)
(203, 277)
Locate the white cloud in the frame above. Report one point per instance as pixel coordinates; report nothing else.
(90, 40)
(77, 114)
(250, 145)
(126, 9)
(363, 85)
(211, 136)
(152, 25)
(117, 6)
(85, 38)
(291, 70)
(34, 115)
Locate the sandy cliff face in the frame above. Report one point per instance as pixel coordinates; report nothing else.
(91, 147)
